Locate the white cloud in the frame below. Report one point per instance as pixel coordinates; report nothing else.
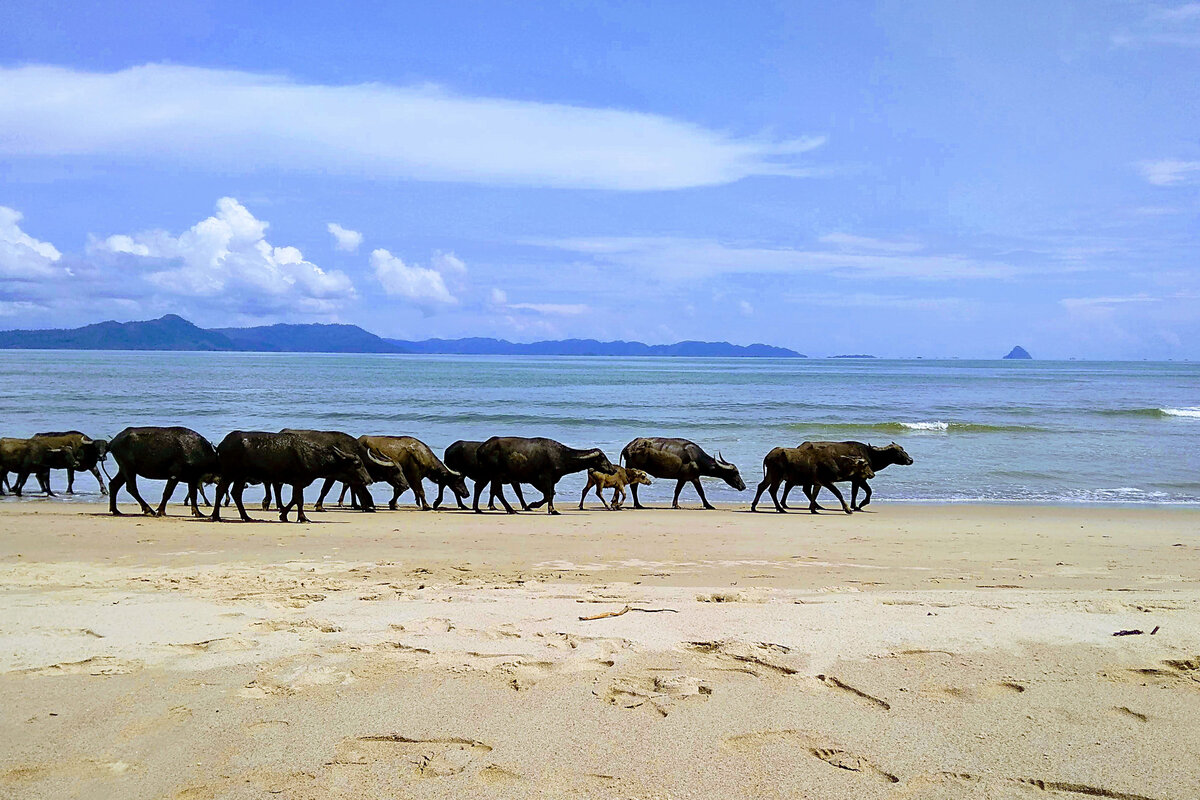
(745, 308)
(421, 284)
(1170, 171)
(1172, 25)
(1091, 302)
(240, 121)
(499, 297)
(344, 238)
(851, 242)
(553, 309)
(682, 258)
(22, 257)
(227, 255)
(448, 262)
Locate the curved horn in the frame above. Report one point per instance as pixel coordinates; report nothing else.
(338, 450)
(379, 460)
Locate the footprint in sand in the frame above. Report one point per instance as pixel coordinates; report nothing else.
(661, 693)
(96, 665)
(411, 757)
(956, 785)
(815, 747)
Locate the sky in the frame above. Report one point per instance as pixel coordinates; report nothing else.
(942, 179)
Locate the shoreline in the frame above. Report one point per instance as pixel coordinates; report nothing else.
(914, 651)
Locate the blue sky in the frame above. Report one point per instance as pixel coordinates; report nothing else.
(941, 179)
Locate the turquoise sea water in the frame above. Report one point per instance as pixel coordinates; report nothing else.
(979, 430)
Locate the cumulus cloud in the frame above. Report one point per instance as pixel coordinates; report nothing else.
(239, 121)
(22, 257)
(423, 285)
(228, 256)
(1170, 171)
(344, 238)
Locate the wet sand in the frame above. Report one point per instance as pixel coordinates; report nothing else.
(909, 652)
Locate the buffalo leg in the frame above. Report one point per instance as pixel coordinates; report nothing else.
(266, 503)
(498, 488)
(342, 496)
(222, 487)
(758, 493)
(637, 503)
(235, 492)
(604, 502)
(678, 489)
(325, 487)
(441, 493)
(616, 504)
(774, 488)
(117, 482)
(419, 495)
(365, 501)
(43, 479)
(516, 487)
(590, 483)
(787, 489)
(194, 490)
(478, 492)
(298, 502)
(131, 485)
(95, 470)
(70, 481)
(700, 491)
(836, 493)
(866, 495)
(549, 499)
(167, 492)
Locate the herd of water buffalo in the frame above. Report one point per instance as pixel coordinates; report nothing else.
(297, 458)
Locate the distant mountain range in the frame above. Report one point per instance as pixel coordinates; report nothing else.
(173, 332)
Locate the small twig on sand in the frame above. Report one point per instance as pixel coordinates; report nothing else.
(1128, 633)
(626, 610)
(1154, 631)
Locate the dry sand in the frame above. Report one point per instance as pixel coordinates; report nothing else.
(912, 652)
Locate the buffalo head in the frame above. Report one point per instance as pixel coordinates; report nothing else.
(349, 467)
(729, 473)
(457, 483)
(897, 455)
(636, 476)
(596, 460)
(859, 468)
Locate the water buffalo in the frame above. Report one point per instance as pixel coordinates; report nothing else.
(417, 462)
(377, 467)
(25, 457)
(679, 459)
(89, 454)
(539, 462)
(286, 458)
(463, 458)
(624, 476)
(169, 454)
(878, 457)
(809, 466)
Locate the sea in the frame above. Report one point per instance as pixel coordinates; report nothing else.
(978, 431)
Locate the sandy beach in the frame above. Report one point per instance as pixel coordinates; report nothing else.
(910, 652)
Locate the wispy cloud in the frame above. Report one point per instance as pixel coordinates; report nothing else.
(554, 309)
(344, 238)
(1114, 300)
(1171, 25)
(1170, 171)
(682, 258)
(240, 121)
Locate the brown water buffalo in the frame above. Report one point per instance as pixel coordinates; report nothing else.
(418, 463)
(539, 462)
(25, 457)
(463, 458)
(624, 476)
(377, 468)
(878, 457)
(681, 460)
(809, 466)
(168, 454)
(89, 454)
(286, 458)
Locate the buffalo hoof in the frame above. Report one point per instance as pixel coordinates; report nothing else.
(116, 513)
(301, 518)
(707, 507)
(782, 510)
(392, 506)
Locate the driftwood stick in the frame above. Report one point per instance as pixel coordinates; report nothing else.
(626, 610)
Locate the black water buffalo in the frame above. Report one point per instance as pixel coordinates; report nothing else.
(878, 457)
(169, 454)
(809, 466)
(538, 462)
(463, 458)
(377, 469)
(417, 462)
(679, 459)
(89, 455)
(260, 457)
(25, 457)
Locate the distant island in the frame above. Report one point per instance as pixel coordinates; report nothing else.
(173, 332)
(1019, 352)
(854, 355)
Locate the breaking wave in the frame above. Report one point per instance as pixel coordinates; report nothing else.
(936, 426)
(1156, 413)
